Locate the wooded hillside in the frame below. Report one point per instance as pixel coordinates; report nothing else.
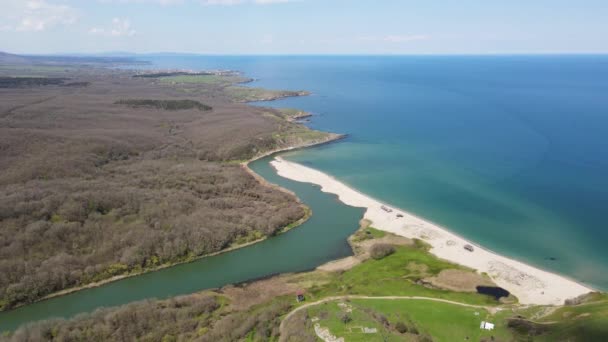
(91, 188)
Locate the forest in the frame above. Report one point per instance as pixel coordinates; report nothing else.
(92, 189)
(164, 104)
(204, 317)
(16, 82)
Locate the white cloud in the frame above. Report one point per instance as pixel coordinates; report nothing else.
(396, 38)
(118, 28)
(35, 15)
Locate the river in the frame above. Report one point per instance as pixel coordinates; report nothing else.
(320, 239)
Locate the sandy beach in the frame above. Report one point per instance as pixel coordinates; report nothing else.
(529, 284)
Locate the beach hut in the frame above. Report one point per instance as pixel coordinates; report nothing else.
(300, 296)
(468, 248)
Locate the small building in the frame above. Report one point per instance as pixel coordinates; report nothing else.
(486, 325)
(300, 296)
(469, 248)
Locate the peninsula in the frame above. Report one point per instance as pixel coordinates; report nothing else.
(529, 284)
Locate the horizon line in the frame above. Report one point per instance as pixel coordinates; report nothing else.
(123, 53)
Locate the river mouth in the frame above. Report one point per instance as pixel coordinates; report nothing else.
(320, 239)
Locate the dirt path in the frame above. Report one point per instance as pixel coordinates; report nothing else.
(330, 299)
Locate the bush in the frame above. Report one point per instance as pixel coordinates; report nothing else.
(427, 338)
(401, 327)
(526, 327)
(381, 250)
(346, 318)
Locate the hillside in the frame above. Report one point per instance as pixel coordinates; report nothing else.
(106, 175)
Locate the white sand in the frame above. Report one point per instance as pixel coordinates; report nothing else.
(530, 284)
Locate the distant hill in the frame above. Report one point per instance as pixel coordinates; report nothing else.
(8, 58)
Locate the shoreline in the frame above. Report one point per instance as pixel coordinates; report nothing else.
(125, 276)
(293, 225)
(529, 284)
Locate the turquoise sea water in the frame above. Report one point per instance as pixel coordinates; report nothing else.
(508, 151)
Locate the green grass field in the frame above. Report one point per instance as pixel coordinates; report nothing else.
(394, 275)
(439, 321)
(249, 94)
(291, 113)
(367, 234)
(228, 82)
(203, 79)
(583, 322)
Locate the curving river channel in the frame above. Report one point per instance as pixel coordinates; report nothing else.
(320, 239)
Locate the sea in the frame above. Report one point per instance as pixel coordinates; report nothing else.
(509, 151)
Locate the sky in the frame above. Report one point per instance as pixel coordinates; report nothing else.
(304, 26)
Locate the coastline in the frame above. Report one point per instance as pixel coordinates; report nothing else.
(529, 284)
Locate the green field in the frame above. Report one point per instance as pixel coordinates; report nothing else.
(586, 322)
(293, 114)
(394, 275)
(203, 79)
(367, 234)
(397, 275)
(248, 94)
(421, 318)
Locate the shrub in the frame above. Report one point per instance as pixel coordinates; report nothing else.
(381, 250)
(401, 327)
(346, 318)
(427, 338)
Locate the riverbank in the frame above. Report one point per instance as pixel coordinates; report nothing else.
(287, 228)
(331, 137)
(529, 284)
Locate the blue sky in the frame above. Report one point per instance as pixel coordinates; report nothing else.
(305, 26)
